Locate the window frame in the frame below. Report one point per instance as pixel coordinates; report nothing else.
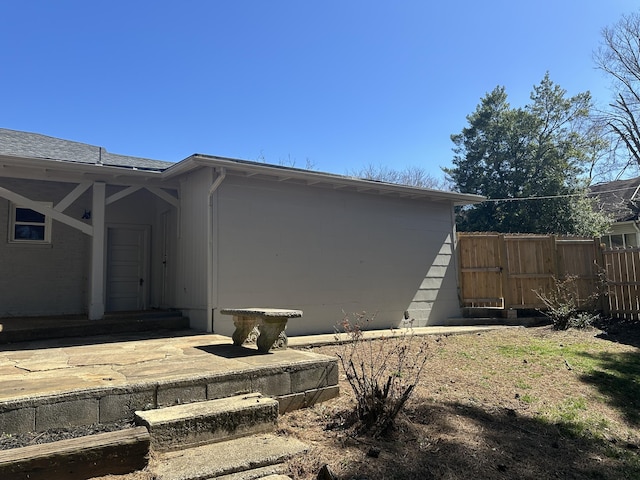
(13, 222)
(622, 240)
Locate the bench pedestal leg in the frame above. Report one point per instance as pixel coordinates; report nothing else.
(270, 330)
(243, 325)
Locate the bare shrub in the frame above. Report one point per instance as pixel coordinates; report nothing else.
(381, 373)
(565, 307)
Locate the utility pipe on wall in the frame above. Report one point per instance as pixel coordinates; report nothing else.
(222, 173)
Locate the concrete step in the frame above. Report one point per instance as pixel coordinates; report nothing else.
(192, 424)
(246, 458)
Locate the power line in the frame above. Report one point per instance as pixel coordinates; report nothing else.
(548, 197)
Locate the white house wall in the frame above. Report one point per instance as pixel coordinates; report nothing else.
(193, 249)
(327, 251)
(437, 298)
(50, 278)
(621, 228)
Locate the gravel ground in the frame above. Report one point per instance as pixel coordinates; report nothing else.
(8, 441)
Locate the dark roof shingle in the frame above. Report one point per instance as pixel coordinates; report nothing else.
(35, 145)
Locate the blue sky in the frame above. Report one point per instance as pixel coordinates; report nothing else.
(336, 84)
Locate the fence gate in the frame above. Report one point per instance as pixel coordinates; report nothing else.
(480, 270)
(505, 270)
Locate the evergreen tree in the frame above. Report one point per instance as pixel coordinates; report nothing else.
(514, 154)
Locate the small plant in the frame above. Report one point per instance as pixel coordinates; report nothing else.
(382, 373)
(565, 307)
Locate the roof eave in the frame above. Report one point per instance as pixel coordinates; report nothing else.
(43, 168)
(310, 177)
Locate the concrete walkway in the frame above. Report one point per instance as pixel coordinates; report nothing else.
(328, 339)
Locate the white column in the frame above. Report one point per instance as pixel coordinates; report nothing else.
(96, 299)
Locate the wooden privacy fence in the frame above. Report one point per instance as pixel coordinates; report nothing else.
(622, 268)
(504, 271)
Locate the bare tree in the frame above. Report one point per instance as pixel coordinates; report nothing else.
(619, 57)
(606, 155)
(412, 176)
(289, 161)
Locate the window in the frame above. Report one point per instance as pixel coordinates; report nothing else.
(626, 240)
(29, 226)
(630, 240)
(617, 241)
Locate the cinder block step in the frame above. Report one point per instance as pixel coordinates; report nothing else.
(192, 424)
(246, 458)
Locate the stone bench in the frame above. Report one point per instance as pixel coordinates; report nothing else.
(271, 323)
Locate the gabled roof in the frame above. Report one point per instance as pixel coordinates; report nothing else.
(619, 198)
(35, 145)
(33, 152)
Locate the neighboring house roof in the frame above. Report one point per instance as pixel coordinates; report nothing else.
(620, 199)
(23, 147)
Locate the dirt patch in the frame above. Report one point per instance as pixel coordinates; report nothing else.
(517, 403)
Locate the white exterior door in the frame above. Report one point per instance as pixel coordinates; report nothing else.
(127, 267)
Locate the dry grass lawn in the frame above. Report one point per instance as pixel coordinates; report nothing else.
(516, 403)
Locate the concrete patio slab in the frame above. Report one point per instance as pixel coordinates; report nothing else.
(109, 377)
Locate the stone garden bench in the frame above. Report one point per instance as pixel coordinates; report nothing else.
(271, 323)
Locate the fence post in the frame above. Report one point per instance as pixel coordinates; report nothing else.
(504, 274)
(601, 277)
(556, 261)
(459, 261)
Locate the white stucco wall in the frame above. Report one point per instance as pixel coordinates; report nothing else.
(327, 251)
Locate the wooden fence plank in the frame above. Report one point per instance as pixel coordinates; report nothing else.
(622, 273)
